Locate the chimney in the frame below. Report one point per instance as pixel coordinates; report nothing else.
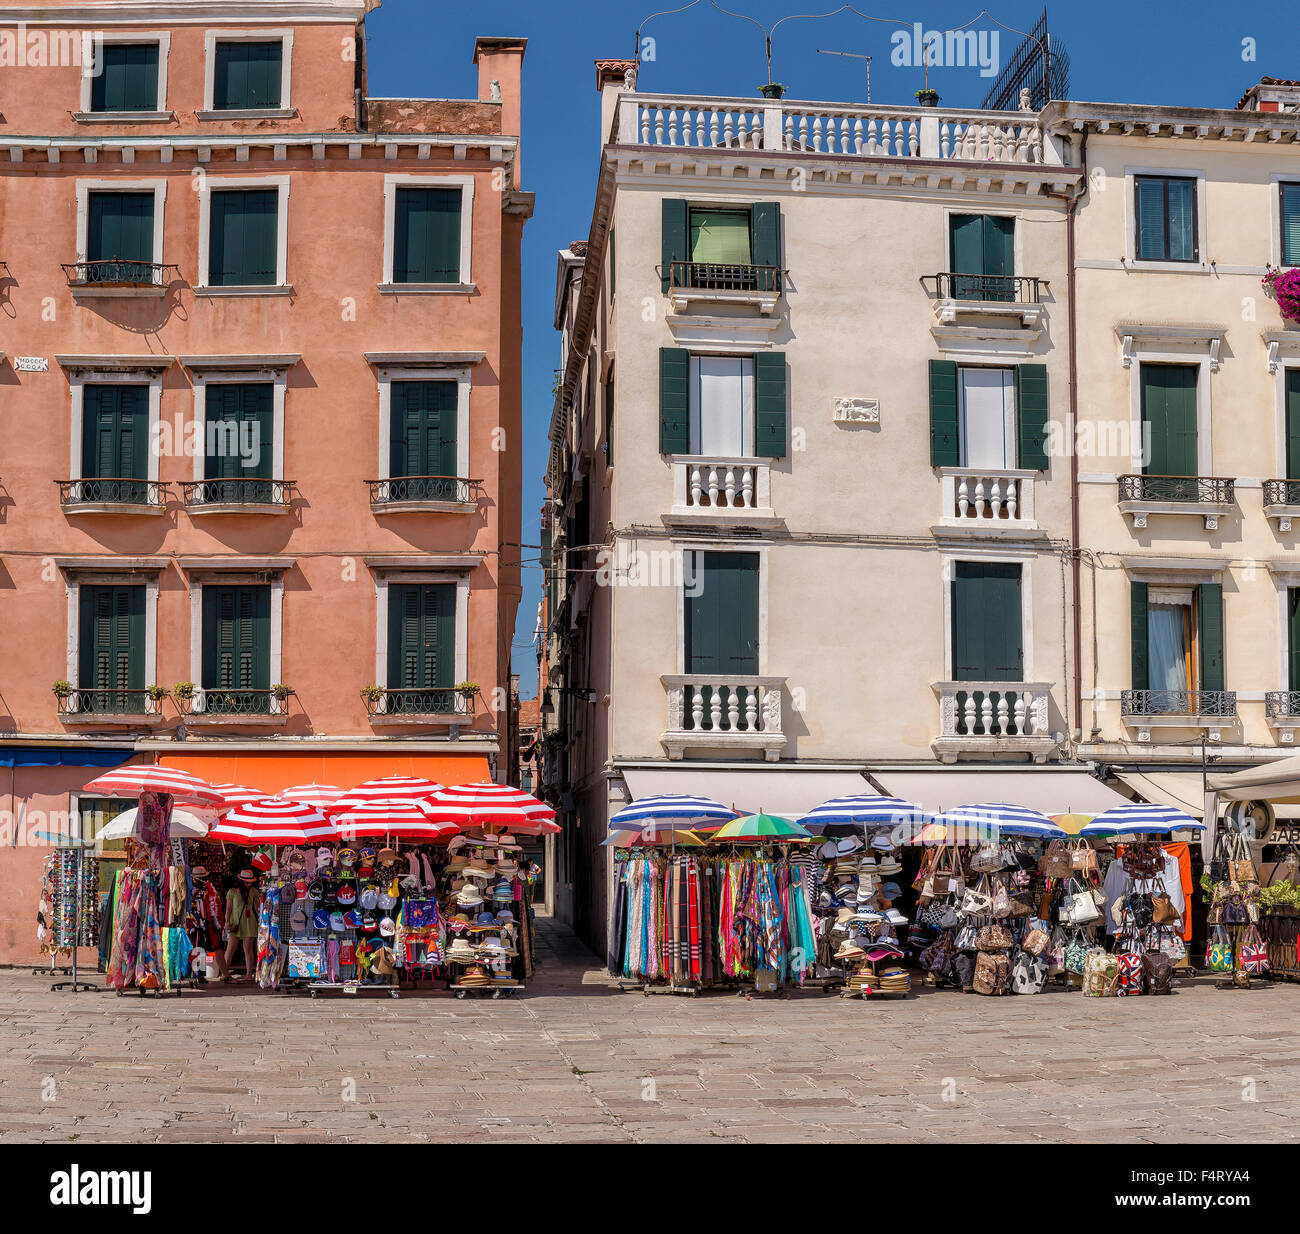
(1272, 94)
(611, 77)
(500, 78)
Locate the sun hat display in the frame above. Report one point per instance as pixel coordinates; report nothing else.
(505, 914)
(247, 876)
(847, 845)
(469, 896)
(486, 917)
(199, 871)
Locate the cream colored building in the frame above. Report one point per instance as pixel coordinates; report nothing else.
(1188, 459)
(807, 534)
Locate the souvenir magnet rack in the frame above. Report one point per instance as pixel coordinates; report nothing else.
(76, 985)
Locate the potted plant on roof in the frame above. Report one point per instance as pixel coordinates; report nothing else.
(772, 90)
(927, 96)
(1284, 287)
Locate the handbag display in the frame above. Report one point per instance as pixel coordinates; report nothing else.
(1056, 862)
(1078, 907)
(1100, 974)
(992, 973)
(1083, 857)
(976, 901)
(1001, 898)
(964, 940)
(988, 859)
(1168, 943)
(1028, 973)
(1035, 941)
(1241, 868)
(1021, 905)
(1056, 951)
(1163, 911)
(1142, 860)
(946, 875)
(1138, 905)
(938, 956)
(932, 913)
(1132, 972)
(1075, 955)
(1159, 972)
(994, 938)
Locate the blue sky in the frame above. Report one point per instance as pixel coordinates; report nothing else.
(1192, 52)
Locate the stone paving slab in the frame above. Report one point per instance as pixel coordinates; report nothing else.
(577, 1060)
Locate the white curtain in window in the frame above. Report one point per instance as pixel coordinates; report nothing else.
(1167, 646)
(988, 417)
(722, 406)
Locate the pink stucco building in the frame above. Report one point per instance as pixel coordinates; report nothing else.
(261, 393)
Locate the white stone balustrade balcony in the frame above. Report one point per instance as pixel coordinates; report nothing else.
(993, 717)
(721, 488)
(723, 712)
(986, 502)
(864, 130)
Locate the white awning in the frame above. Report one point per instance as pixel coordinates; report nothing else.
(786, 792)
(1049, 790)
(1268, 781)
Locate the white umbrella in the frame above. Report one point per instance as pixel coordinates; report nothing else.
(126, 826)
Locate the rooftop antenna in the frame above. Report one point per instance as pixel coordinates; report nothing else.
(853, 55)
(645, 21)
(769, 31)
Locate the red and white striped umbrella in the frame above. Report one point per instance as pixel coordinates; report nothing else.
(408, 819)
(488, 804)
(274, 822)
(390, 788)
(238, 794)
(131, 781)
(322, 796)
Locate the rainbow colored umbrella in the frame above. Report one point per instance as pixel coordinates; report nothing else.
(651, 839)
(762, 827)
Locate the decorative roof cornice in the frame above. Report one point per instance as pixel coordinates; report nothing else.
(1186, 123)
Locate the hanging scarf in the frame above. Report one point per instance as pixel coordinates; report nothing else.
(150, 958)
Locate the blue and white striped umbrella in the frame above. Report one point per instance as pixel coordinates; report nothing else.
(859, 812)
(669, 811)
(1140, 818)
(1005, 819)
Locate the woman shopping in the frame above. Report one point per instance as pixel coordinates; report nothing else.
(243, 905)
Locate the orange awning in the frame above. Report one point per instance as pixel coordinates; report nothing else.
(273, 772)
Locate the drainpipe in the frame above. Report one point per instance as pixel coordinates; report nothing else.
(1071, 205)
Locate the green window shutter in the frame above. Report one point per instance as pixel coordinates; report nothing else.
(248, 75)
(769, 404)
(987, 625)
(240, 422)
(115, 432)
(128, 78)
(1139, 636)
(721, 634)
(1149, 198)
(421, 636)
(1032, 410)
(1209, 598)
(1293, 424)
(999, 245)
(423, 429)
(1293, 637)
(766, 216)
(426, 243)
(237, 638)
(120, 225)
(674, 401)
(966, 243)
(944, 446)
(1290, 224)
(674, 240)
(1168, 396)
(243, 248)
(111, 640)
(1181, 196)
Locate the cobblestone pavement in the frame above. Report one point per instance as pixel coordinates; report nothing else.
(575, 1059)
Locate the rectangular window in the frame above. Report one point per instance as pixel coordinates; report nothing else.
(987, 622)
(1293, 424)
(1165, 209)
(721, 635)
(422, 440)
(421, 647)
(1170, 639)
(120, 237)
(720, 237)
(426, 244)
(1290, 224)
(248, 76)
(115, 442)
(987, 424)
(111, 653)
(1168, 398)
(236, 650)
(983, 254)
(722, 406)
(1176, 644)
(128, 78)
(239, 456)
(243, 248)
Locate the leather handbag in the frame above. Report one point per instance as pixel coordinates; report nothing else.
(1241, 868)
(1139, 907)
(994, 938)
(1083, 857)
(1143, 860)
(1078, 908)
(976, 901)
(946, 876)
(1035, 941)
(1021, 905)
(992, 973)
(1056, 861)
(1163, 911)
(1001, 898)
(1158, 969)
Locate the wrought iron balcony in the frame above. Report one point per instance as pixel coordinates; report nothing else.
(106, 492)
(1192, 703)
(119, 272)
(418, 702)
(417, 491)
(235, 492)
(1194, 490)
(235, 702)
(987, 288)
(1282, 492)
(107, 703)
(722, 276)
(1279, 704)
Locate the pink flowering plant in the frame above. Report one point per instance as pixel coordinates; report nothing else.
(1284, 287)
